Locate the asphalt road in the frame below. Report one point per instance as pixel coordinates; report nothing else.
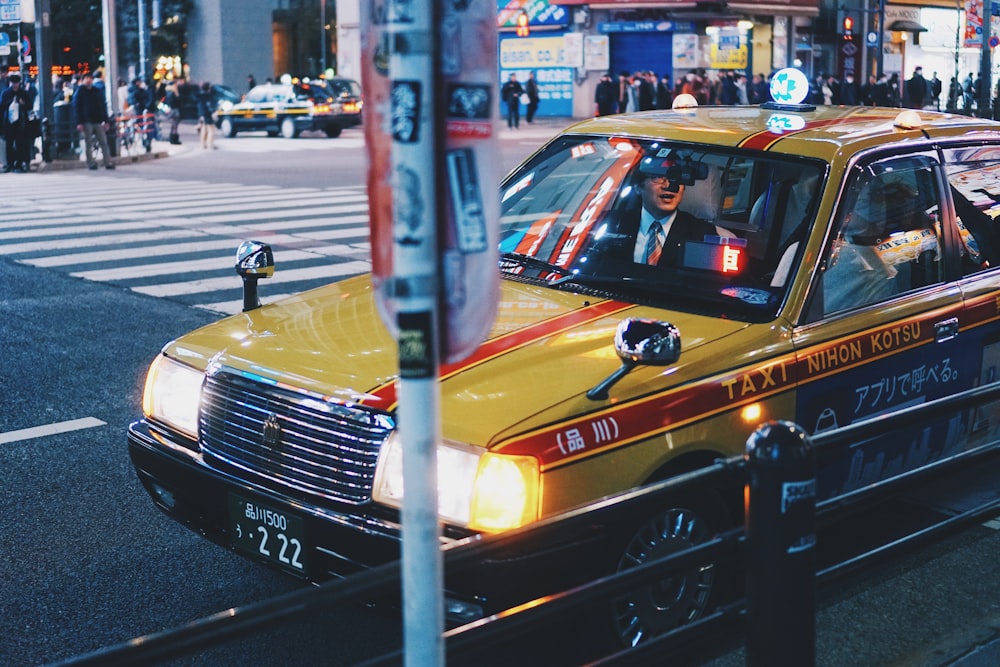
(86, 561)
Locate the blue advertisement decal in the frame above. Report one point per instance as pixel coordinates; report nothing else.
(645, 26)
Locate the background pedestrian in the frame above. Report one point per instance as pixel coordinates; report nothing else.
(91, 111)
(531, 89)
(15, 104)
(511, 93)
(206, 115)
(606, 95)
(172, 99)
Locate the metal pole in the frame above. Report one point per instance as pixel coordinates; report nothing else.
(111, 72)
(43, 49)
(863, 71)
(322, 36)
(985, 64)
(958, 44)
(781, 547)
(416, 210)
(110, 55)
(881, 38)
(143, 29)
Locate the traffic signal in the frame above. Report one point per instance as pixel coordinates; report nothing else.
(522, 24)
(848, 27)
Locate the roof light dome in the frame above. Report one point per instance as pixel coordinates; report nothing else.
(684, 101)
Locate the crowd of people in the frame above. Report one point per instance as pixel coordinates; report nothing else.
(644, 90)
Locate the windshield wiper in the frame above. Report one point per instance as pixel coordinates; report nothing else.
(530, 262)
(595, 279)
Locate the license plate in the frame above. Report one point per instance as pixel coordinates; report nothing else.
(276, 536)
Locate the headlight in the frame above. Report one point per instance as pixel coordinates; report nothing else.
(173, 394)
(476, 488)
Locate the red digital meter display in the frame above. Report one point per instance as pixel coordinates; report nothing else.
(716, 253)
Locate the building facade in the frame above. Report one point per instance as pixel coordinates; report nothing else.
(572, 42)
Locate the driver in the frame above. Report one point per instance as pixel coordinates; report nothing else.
(662, 228)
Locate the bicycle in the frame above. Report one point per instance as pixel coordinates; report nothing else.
(126, 133)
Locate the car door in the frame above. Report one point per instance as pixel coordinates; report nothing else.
(880, 330)
(247, 115)
(973, 176)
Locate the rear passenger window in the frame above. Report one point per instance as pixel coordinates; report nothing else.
(887, 238)
(974, 177)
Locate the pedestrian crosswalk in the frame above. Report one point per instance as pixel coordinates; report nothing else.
(177, 239)
(258, 142)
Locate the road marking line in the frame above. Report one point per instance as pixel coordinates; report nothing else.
(50, 429)
(76, 229)
(993, 523)
(136, 252)
(93, 241)
(326, 271)
(223, 263)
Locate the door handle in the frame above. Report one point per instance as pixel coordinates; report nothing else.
(946, 330)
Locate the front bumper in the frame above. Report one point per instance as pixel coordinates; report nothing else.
(196, 495)
(340, 542)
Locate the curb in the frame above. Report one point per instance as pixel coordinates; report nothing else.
(986, 654)
(63, 165)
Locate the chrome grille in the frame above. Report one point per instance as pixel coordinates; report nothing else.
(324, 449)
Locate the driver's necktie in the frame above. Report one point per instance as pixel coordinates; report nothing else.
(654, 243)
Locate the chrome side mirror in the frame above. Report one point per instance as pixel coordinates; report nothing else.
(648, 342)
(640, 342)
(254, 260)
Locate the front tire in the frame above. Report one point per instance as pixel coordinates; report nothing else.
(675, 601)
(332, 131)
(227, 128)
(288, 130)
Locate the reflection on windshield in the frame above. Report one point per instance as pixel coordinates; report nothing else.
(680, 220)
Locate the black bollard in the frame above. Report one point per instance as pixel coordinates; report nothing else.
(46, 133)
(780, 512)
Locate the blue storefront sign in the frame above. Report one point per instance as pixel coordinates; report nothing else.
(645, 26)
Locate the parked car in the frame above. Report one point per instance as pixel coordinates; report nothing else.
(289, 109)
(188, 101)
(820, 265)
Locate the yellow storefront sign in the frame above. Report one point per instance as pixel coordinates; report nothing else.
(727, 58)
(532, 52)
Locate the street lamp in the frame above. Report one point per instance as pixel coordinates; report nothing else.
(322, 35)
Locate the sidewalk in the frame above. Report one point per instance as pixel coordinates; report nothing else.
(538, 131)
(188, 131)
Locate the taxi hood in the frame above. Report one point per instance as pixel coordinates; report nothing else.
(547, 348)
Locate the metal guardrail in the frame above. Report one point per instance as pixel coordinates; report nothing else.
(735, 616)
(127, 135)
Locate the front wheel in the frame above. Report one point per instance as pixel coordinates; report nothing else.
(332, 131)
(288, 130)
(677, 600)
(227, 127)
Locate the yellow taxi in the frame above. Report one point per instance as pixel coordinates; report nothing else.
(293, 107)
(670, 281)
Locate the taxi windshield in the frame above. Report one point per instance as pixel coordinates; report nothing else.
(672, 224)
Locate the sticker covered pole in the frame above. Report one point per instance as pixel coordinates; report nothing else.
(432, 90)
(400, 55)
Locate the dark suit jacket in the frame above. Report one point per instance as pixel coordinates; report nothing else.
(685, 227)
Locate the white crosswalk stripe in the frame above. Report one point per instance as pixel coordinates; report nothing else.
(185, 251)
(258, 142)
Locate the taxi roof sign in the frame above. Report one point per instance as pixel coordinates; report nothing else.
(789, 90)
(789, 86)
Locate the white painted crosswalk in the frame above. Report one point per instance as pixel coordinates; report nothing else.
(183, 247)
